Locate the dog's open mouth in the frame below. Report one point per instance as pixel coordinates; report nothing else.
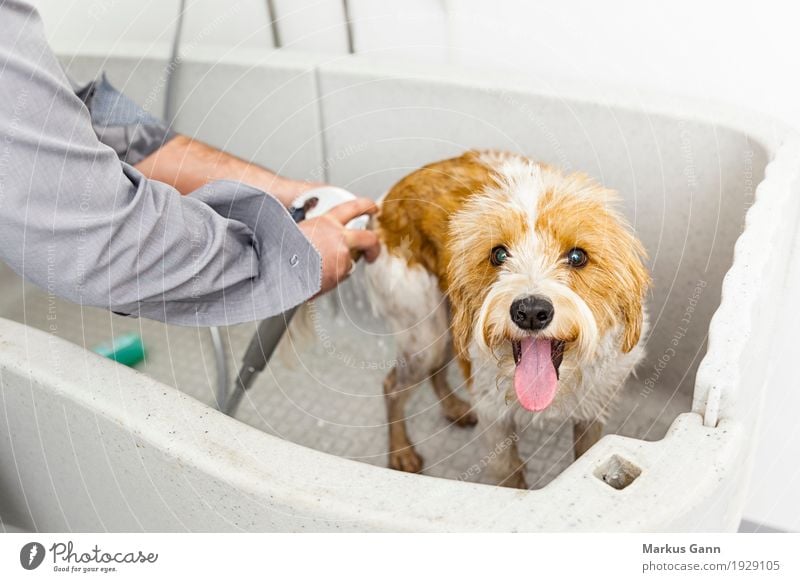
(536, 374)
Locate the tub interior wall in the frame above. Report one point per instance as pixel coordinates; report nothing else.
(685, 186)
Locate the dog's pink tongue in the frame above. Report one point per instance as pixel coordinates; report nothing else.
(535, 378)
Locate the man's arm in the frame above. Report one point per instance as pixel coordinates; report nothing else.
(76, 221)
(188, 164)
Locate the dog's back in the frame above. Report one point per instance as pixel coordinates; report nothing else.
(408, 295)
(415, 212)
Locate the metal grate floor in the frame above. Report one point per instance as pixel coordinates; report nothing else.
(329, 397)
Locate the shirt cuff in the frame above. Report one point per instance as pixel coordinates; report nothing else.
(287, 269)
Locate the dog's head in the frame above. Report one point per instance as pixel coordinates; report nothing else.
(542, 269)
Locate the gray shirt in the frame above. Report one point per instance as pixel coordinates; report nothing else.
(77, 221)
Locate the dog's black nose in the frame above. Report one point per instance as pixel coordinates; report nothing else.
(532, 312)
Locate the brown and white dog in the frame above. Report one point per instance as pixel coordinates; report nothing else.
(526, 276)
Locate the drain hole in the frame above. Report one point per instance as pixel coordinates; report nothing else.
(618, 472)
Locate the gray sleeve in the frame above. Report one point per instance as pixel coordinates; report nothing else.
(121, 124)
(77, 222)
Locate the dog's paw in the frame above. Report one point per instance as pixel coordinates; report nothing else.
(406, 460)
(459, 413)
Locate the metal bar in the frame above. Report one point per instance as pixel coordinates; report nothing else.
(262, 345)
(221, 363)
(273, 22)
(349, 27)
(174, 62)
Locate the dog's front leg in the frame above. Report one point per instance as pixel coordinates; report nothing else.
(402, 455)
(456, 410)
(585, 434)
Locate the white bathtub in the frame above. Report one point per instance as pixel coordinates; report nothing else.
(86, 444)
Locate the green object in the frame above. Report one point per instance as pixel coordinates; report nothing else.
(126, 349)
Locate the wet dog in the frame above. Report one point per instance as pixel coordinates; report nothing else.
(528, 278)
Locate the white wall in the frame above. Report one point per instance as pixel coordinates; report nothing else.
(147, 27)
(312, 25)
(412, 29)
(736, 51)
(232, 23)
(121, 27)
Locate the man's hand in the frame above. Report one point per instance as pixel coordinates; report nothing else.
(338, 245)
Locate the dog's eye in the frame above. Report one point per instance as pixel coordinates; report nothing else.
(577, 258)
(499, 255)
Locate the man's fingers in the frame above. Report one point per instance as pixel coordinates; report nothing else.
(346, 212)
(364, 241)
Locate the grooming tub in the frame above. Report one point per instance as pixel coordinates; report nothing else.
(86, 444)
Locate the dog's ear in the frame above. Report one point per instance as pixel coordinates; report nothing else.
(460, 324)
(633, 316)
(632, 306)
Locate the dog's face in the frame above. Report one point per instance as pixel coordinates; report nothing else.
(542, 270)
